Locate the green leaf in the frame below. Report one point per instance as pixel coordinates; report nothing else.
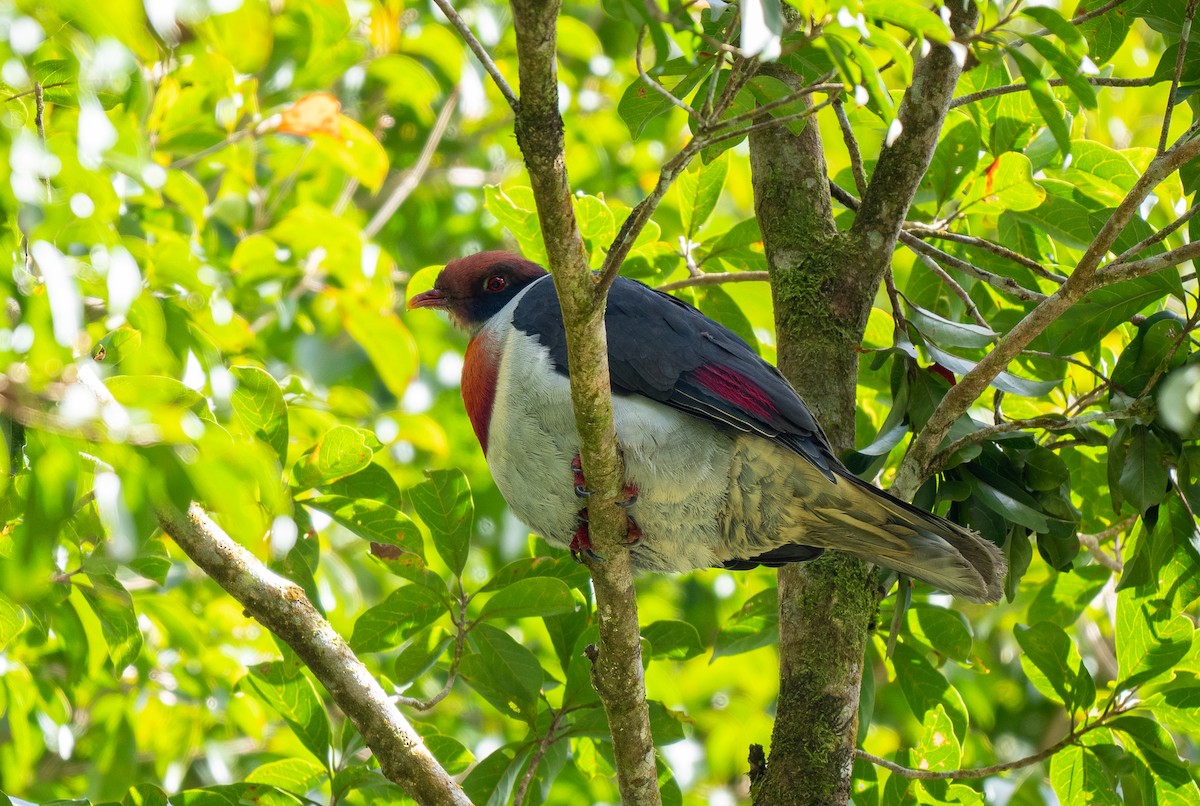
(1078, 777)
(1004, 381)
(504, 673)
(910, 16)
(1043, 97)
(444, 504)
(420, 655)
(699, 189)
(12, 621)
(530, 597)
(1067, 69)
(1144, 475)
(1106, 32)
(1061, 27)
(956, 156)
(597, 225)
(1101, 310)
(515, 209)
(1178, 705)
(1063, 598)
(1053, 665)
(940, 749)
(925, 688)
(755, 625)
(570, 572)
(355, 151)
(383, 337)
(258, 403)
(113, 606)
(676, 640)
(341, 451)
(453, 756)
(401, 615)
(947, 631)
(294, 698)
(371, 482)
(1006, 184)
(1006, 502)
(372, 520)
(1150, 639)
(295, 775)
(641, 103)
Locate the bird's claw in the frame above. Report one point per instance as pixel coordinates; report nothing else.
(578, 556)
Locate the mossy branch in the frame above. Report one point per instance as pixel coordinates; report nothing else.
(617, 669)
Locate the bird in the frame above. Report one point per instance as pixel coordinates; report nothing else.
(725, 465)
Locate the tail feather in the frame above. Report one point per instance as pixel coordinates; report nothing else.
(782, 508)
(885, 530)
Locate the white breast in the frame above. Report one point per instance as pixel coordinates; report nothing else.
(679, 463)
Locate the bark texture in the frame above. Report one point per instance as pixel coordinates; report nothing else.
(281, 606)
(617, 668)
(824, 606)
(823, 284)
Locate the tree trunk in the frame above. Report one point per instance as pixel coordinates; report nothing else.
(827, 605)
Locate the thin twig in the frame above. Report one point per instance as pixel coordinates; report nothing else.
(654, 85)
(924, 231)
(1092, 543)
(1069, 360)
(717, 278)
(191, 159)
(995, 769)
(1045, 423)
(636, 221)
(957, 290)
(1118, 270)
(285, 188)
(452, 674)
(759, 112)
(1184, 35)
(1096, 12)
(477, 48)
(1021, 86)
(1160, 235)
(1003, 284)
(856, 163)
(413, 176)
(543, 746)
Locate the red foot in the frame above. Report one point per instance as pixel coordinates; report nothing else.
(629, 495)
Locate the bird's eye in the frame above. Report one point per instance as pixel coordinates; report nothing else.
(495, 283)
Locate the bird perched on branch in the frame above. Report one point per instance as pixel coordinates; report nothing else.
(726, 466)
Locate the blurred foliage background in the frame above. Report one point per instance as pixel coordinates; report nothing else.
(203, 303)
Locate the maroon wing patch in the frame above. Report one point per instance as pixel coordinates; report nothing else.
(736, 388)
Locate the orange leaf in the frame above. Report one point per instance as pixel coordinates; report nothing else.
(318, 112)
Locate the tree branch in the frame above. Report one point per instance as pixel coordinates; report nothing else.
(1184, 34)
(1095, 81)
(915, 466)
(903, 164)
(618, 668)
(923, 231)
(1116, 271)
(281, 606)
(1003, 284)
(412, 177)
(1110, 712)
(717, 278)
(477, 48)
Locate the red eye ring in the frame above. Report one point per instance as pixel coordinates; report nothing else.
(495, 283)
